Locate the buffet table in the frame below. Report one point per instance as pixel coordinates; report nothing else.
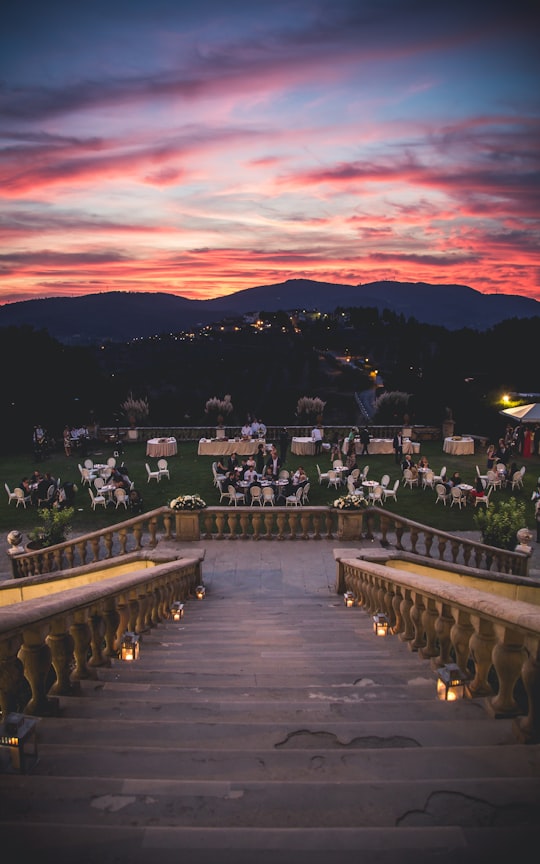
(224, 446)
(381, 445)
(160, 447)
(303, 446)
(459, 446)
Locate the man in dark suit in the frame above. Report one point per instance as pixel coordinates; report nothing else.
(274, 462)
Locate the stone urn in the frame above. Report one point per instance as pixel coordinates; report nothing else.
(187, 524)
(350, 524)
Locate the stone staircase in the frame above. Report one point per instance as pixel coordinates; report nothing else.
(270, 725)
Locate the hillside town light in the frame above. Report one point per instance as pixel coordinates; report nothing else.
(380, 624)
(451, 683)
(200, 592)
(130, 646)
(177, 610)
(348, 598)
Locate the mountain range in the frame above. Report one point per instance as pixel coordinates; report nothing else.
(119, 316)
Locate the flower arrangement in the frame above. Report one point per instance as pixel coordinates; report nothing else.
(187, 502)
(219, 408)
(349, 502)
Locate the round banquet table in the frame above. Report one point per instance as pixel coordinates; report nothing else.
(160, 447)
(382, 445)
(462, 447)
(225, 447)
(303, 446)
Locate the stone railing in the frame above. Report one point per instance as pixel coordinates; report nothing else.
(494, 642)
(75, 630)
(268, 523)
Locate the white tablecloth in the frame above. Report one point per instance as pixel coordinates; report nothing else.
(160, 447)
(224, 447)
(382, 445)
(303, 446)
(458, 448)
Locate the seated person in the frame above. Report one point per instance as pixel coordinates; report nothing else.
(251, 476)
(246, 431)
(299, 477)
(423, 462)
(455, 479)
(221, 467)
(135, 501)
(268, 475)
(478, 491)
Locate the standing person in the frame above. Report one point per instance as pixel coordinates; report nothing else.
(365, 438)
(274, 462)
(317, 437)
(283, 443)
(536, 440)
(537, 517)
(260, 459)
(527, 443)
(397, 444)
(67, 440)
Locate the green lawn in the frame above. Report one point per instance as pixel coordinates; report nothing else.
(191, 473)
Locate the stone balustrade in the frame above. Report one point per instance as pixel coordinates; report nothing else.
(72, 631)
(496, 643)
(267, 523)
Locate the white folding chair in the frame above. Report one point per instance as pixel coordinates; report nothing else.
(333, 479)
(323, 475)
(409, 479)
(163, 468)
(457, 496)
(442, 493)
(152, 475)
(121, 498)
(376, 496)
(294, 500)
(22, 498)
(256, 496)
(11, 495)
(391, 492)
(235, 497)
(97, 499)
(268, 496)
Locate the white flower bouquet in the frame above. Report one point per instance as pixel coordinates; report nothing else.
(349, 502)
(187, 502)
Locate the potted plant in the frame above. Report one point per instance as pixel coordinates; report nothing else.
(55, 529)
(136, 410)
(350, 516)
(187, 509)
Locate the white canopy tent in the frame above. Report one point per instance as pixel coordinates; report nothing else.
(524, 413)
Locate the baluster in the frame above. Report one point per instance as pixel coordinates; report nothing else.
(316, 525)
(428, 542)
(167, 522)
(417, 611)
(112, 622)
(293, 522)
(137, 534)
(60, 643)
(329, 520)
(481, 646)
(244, 524)
(414, 538)
(508, 656)
(384, 526)
(152, 530)
(36, 659)
(257, 522)
(407, 634)
(97, 634)
(305, 522)
(281, 520)
(232, 520)
(397, 600)
(443, 627)
(220, 524)
(94, 543)
(429, 621)
(399, 535)
(133, 609)
(80, 632)
(460, 635)
(268, 523)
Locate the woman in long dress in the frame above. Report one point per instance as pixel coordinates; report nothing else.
(526, 452)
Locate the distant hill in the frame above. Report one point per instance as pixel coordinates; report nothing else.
(119, 316)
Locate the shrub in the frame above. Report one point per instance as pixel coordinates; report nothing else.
(500, 523)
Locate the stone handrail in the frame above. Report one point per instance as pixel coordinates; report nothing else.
(75, 630)
(447, 623)
(269, 523)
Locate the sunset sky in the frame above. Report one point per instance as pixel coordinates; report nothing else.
(208, 146)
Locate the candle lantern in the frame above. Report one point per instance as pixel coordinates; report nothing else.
(380, 624)
(177, 610)
(130, 646)
(348, 599)
(451, 683)
(200, 592)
